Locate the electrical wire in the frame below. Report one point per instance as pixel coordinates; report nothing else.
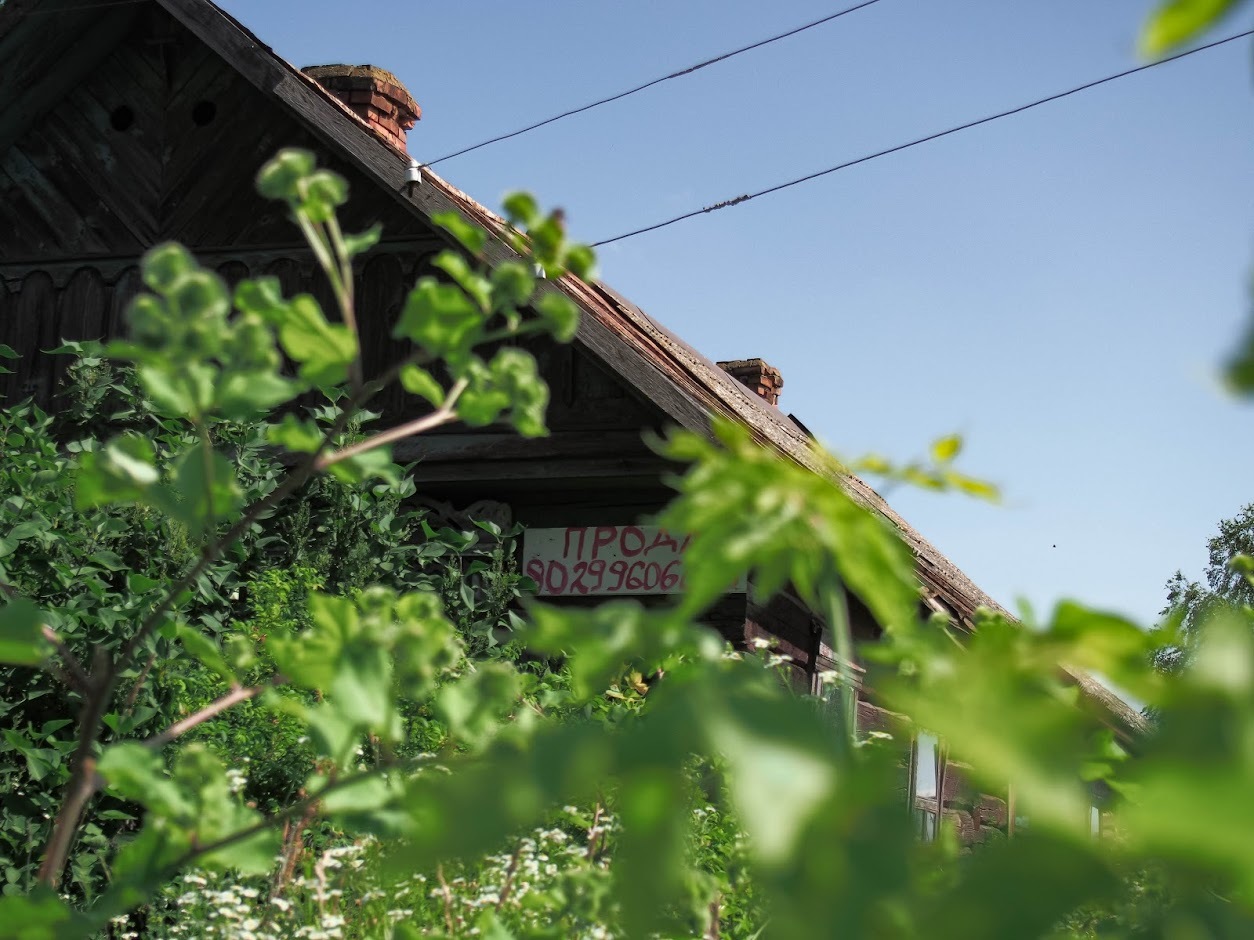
(657, 81)
(728, 203)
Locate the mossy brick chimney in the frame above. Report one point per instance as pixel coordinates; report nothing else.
(763, 379)
(373, 94)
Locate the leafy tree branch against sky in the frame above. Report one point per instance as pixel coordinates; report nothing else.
(1060, 286)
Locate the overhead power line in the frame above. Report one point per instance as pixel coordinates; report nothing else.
(657, 81)
(737, 200)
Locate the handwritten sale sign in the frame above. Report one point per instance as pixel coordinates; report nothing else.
(606, 559)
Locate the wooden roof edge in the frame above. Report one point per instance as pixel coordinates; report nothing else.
(1129, 724)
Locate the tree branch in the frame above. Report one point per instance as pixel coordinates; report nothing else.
(75, 675)
(213, 709)
(442, 415)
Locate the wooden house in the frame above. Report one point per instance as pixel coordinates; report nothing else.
(126, 124)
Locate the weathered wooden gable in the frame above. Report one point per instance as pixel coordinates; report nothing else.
(150, 136)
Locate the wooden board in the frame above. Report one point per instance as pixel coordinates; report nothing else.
(606, 561)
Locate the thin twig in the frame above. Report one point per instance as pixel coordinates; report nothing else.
(291, 847)
(712, 931)
(594, 834)
(442, 415)
(448, 899)
(133, 695)
(77, 677)
(213, 709)
(508, 884)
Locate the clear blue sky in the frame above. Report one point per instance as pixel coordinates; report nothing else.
(1059, 286)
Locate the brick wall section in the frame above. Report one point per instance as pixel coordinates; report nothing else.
(375, 95)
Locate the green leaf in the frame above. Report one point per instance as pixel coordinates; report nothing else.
(440, 318)
(244, 396)
(521, 209)
(483, 400)
(165, 265)
(649, 855)
(324, 349)
(21, 634)
(321, 193)
(207, 492)
(362, 688)
(138, 773)
(560, 315)
(308, 659)
(201, 299)
(1177, 21)
(369, 464)
(778, 780)
(41, 915)
(206, 651)
(747, 509)
(179, 389)
(470, 236)
(980, 489)
(512, 284)
(281, 176)
(471, 281)
(296, 435)
(581, 260)
(124, 472)
(1064, 875)
(262, 296)
(946, 448)
(474, 706)
(6, 352)
(361, 242)
(1239, 372)
(515, 371)
(419, 381)
(490, 927)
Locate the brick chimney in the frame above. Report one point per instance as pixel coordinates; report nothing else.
(762, 379)
(374, 94)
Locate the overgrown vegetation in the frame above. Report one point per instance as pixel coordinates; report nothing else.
(410, 774)
(85, 565)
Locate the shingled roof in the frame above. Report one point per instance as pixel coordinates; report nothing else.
(686, 385)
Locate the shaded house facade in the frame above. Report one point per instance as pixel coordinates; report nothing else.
(126, 125)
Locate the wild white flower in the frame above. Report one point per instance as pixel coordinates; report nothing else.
(761, 642)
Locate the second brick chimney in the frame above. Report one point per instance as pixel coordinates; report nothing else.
(762, 379)
(373, 94)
